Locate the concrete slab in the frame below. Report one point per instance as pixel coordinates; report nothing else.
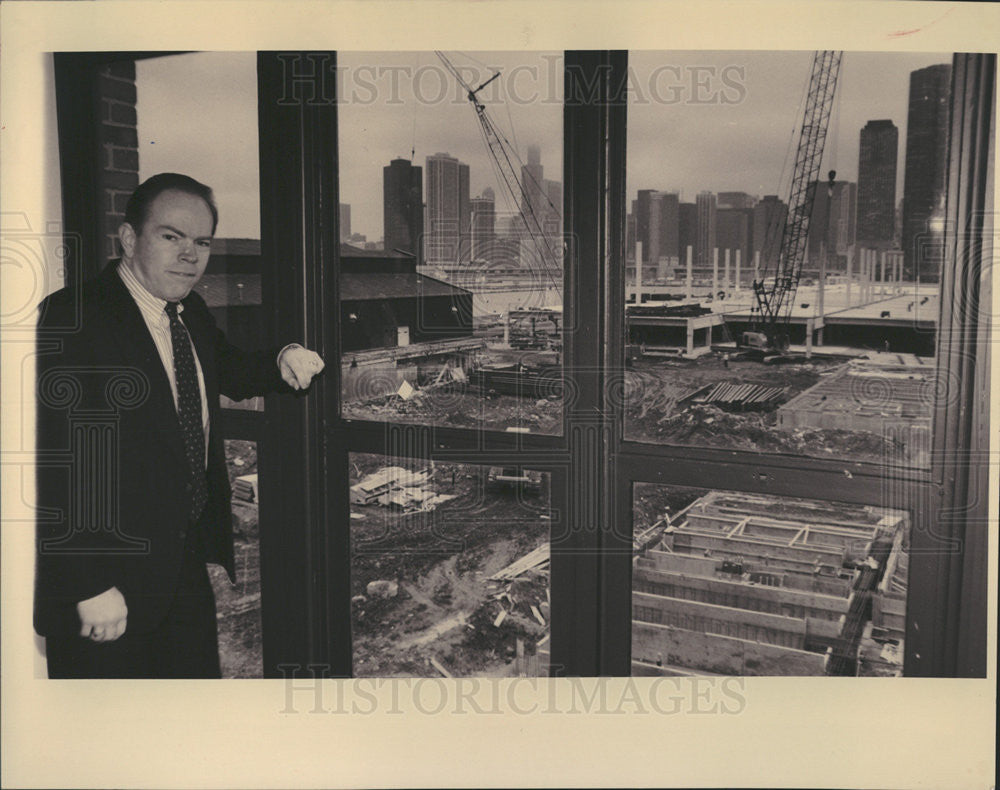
(720, 654)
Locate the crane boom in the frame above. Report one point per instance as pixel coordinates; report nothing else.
(501, 153)
(775, 298)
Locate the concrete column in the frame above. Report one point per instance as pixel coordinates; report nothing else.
(725, 279)
(506, 328)
(872, 272)
(862, 263)
(872, 260)
(715, 271)
(690, 276)
(638, 272)
(866, 260)
(861, 276)
(736, 285)
(872, 263)
(690, 338)
(881, 285)
(756, 266)
(849, 274)
(822, 280)
(810, 324)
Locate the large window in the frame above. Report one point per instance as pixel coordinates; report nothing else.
(219, 88)
(451, 231)
(784, 275)
(554, 435)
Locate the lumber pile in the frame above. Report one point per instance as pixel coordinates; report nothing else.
(740, 397)
(534, 560)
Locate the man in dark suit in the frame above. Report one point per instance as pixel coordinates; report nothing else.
(130, 367)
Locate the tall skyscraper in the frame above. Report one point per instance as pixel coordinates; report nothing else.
(534, 197)
(657, 227)
(345, 222)
(630, 234)
(553, 214)
(733, 227)
(877, 184)
(832, 224)
(769, 217)
(924, 173)
(403, 207)
(706, 240)
(739, 200)
(448, 211)
(483, 211)
(539, 228)
(646, 225)
(687, 230)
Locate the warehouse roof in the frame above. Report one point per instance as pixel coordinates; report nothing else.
(368, 286)
(224, 290)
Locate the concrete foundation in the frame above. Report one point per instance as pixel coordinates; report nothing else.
(864, 398)
(723, 655)
(738, 594)
(751, 584)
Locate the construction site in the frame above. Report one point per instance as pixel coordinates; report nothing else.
(739, 584)
(449, 570)
(873, 406)
(831, 356)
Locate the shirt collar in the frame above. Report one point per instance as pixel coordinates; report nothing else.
(151, 306)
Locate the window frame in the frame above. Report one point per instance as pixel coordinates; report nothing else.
(946, 612)
(305, 444)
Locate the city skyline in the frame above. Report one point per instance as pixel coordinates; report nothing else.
(714, 146)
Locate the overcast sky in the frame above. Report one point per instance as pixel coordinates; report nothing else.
(697, 120)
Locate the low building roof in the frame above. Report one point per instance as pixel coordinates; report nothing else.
(232, 290)
(368, 286)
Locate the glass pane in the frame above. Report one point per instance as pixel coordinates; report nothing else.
(832, 352)
(220, 90)
(238, 606)
(451, 238)
(449, 569)
(728, 583)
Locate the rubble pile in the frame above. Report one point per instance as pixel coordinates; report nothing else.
(399, 489)
(517, 605)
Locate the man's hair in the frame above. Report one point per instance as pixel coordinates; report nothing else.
(137, 208)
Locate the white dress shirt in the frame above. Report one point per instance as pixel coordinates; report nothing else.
(158, 322)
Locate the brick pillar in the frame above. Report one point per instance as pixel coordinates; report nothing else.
(119, 143)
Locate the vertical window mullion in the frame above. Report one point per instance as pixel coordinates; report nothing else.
(302, 584)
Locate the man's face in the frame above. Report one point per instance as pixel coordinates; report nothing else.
(169, 253)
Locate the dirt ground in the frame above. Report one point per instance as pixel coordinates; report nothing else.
(238, 607)
(654, 387)
(652, 391)
(466, 406)
(440, 561)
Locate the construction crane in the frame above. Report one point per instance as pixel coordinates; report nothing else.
(502, 154)
(775, 296)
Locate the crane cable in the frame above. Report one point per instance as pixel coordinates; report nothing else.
(488, 129)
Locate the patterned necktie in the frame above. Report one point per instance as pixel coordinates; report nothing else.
(189, 410)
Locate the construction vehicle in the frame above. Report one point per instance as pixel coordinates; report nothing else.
(514, 478)
(774, 294)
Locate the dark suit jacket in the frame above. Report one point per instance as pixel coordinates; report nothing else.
(113, 489)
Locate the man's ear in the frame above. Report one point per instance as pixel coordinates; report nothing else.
(126, 235)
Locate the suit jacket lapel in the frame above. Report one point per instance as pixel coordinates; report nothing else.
(132, 335)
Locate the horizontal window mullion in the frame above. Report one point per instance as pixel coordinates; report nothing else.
(421, 440)
(242, 424)
(739, 475)
(649, 453)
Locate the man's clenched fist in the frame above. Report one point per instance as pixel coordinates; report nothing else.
(102, 618)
